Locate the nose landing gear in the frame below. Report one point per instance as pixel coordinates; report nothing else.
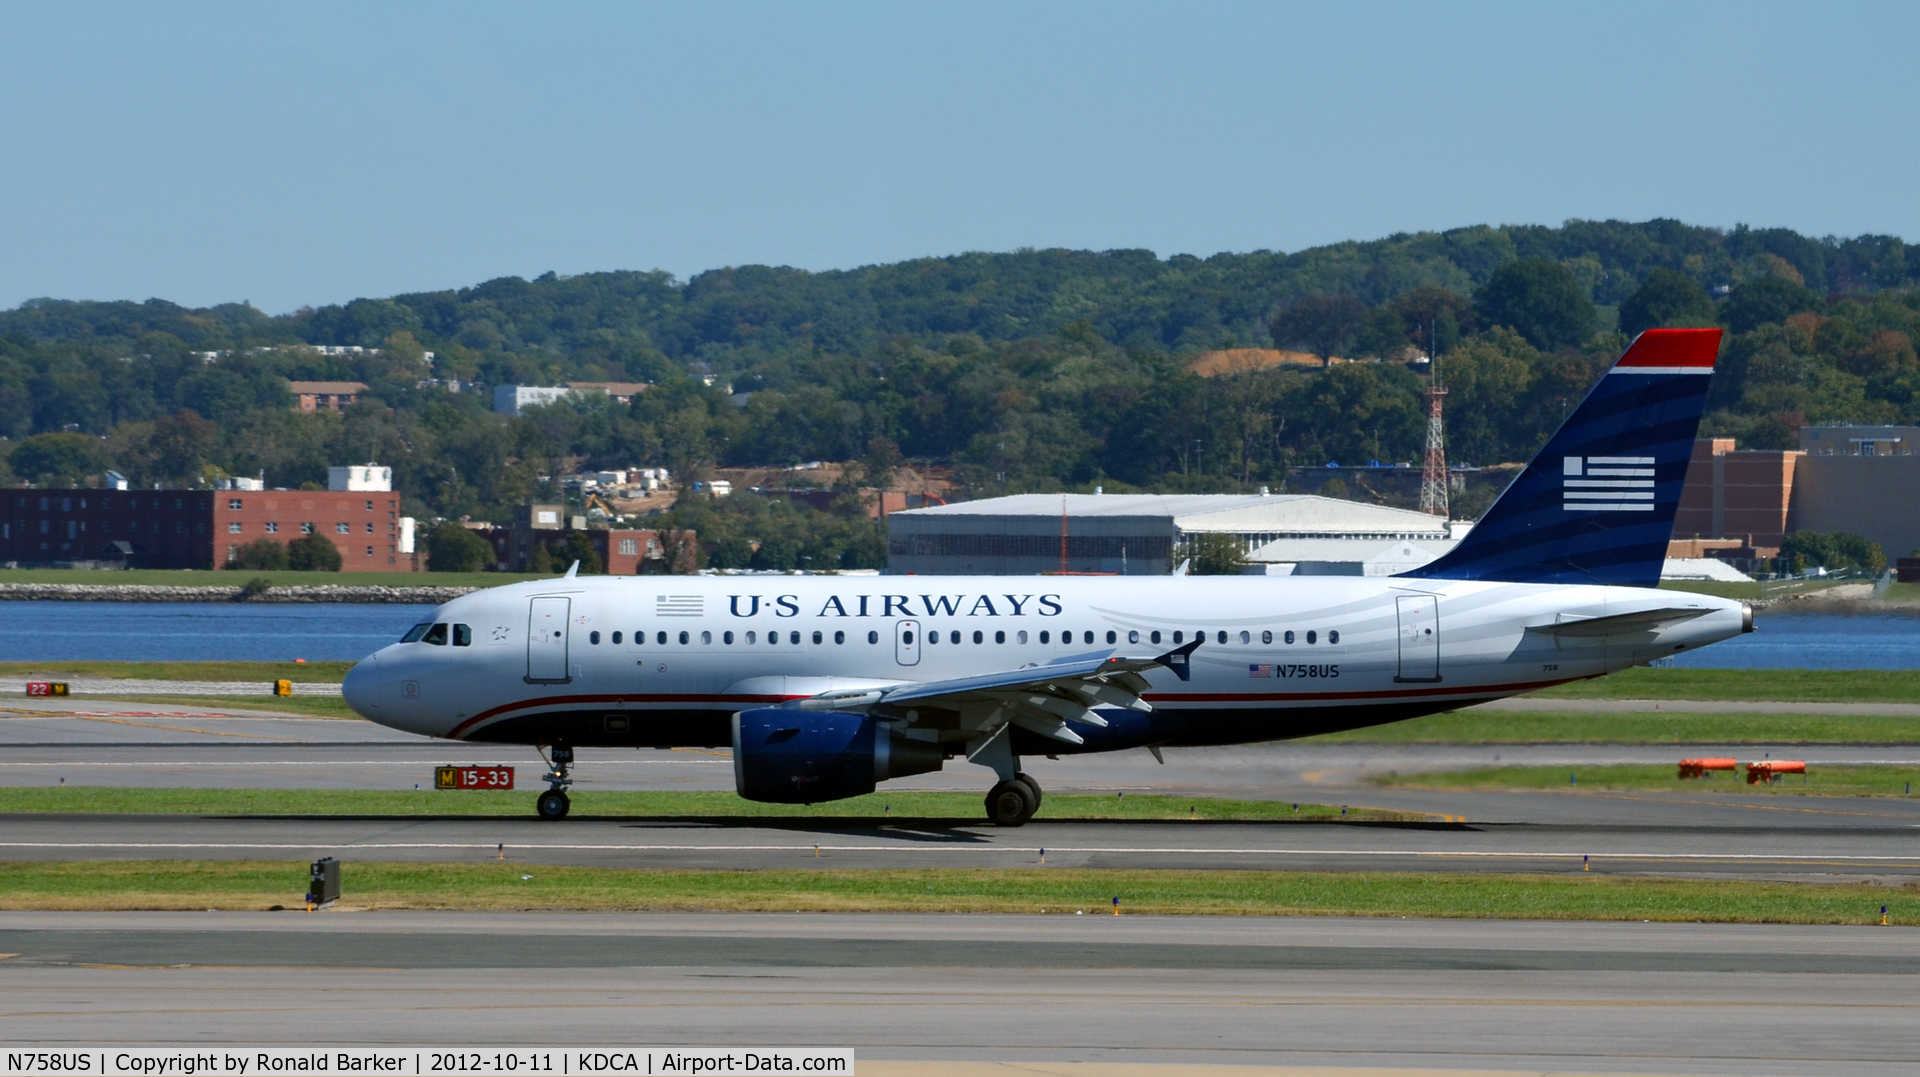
(554, 803)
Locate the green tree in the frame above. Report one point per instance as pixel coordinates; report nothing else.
(683, 554)
(880, 462)
(579, 547)
(1666, 298)
(262, 554)
(730, 551)
(65, 459)
(542, 560)
(1832, 550)
(453, 548)
(1323, 324)
(313, 552)
(1541, 300)
(1216, 555)
(1431, 317)
(1763, 300)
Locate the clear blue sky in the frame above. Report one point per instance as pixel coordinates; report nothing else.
(294, 154)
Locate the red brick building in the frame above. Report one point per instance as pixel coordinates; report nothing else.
(364, 524)
(325, 395)
(1737, 494)
(199, 528)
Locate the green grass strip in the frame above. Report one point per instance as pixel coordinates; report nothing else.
(304, 706)
(1832, 781)
(876, 808)
(1785, 685)
(265, 673)
(1661, 727)
(494, 885)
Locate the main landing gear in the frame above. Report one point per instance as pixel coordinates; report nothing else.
(554, 803)
(1012, 803)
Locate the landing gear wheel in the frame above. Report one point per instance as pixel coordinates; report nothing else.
(553, 804)
(1039, 796)
(1011, 804)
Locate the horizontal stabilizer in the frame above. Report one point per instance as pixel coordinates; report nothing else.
(1621, 624)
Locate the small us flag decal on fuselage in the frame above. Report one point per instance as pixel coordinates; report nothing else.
(1264, 669)
(1607, 484)
(678, 605)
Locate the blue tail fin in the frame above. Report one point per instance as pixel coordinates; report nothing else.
(1597, 504)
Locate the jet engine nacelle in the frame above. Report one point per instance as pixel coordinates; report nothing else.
(790, 756)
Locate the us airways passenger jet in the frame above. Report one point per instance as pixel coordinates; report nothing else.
(824, 686)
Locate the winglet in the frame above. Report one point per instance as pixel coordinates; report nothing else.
(1176, 659)
(572, 571)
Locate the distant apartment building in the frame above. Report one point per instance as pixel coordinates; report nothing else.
(1864, 480)
(1737, 494)
(142, 528)
(325, 395)
(510, 399)
(621, 552)
(201, 529)
(622, 392)
(1743, 503)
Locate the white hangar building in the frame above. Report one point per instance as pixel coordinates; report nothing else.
(1146, 534)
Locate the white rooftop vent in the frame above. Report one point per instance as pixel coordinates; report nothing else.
(370, 478)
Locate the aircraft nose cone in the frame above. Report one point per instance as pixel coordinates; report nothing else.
(358, 688)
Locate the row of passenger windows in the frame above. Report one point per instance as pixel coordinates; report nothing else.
(773, 638)
(1179, 637)
(955, 636)
(438, 634)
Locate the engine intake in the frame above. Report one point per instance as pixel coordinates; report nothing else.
(791, 756)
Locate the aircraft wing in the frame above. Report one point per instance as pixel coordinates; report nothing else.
(1042, 698)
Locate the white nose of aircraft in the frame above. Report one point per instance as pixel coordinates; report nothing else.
(362, 687)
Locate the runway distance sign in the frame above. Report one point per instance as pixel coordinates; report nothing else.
(425, 1061)
(475, 777)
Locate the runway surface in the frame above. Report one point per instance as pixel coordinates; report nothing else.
(1492, 995)
(1709, 832)
(1818, 847)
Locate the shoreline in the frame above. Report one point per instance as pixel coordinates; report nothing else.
(422, 595)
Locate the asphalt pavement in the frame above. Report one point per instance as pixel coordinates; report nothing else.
(1159, 993)
(1718, 830)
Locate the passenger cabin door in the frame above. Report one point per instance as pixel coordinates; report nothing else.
(547, 640)
(906, 642)
(1419, 638)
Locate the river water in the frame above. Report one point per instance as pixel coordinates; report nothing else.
(165, 631)
(199, 631)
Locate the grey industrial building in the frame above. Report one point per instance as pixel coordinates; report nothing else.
(1864, 480)
(1145, 534)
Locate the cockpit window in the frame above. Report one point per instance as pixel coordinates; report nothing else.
(437, 635)
(463, 635)
(413, 634)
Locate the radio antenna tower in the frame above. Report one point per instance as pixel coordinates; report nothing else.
(1433, 478)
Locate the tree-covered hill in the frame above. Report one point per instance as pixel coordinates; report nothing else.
(1129, 297)
(1029, 370)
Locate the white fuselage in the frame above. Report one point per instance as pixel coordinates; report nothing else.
(666, 650)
